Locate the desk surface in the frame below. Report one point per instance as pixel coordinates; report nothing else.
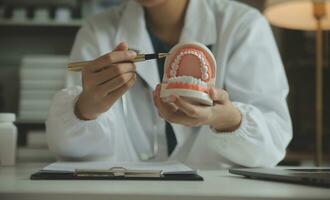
(15, 184)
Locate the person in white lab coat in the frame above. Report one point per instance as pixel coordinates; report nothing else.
(117, 114)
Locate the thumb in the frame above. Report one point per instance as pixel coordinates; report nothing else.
(121, 47)
(219, 95)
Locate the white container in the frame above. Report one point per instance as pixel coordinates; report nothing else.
(63, 15)
(41, 15)
(20, 14)
(8, 139)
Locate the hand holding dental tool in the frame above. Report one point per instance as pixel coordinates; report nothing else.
(104, 81)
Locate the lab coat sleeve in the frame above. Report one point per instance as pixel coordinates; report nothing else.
(67, 136)
(257, 85)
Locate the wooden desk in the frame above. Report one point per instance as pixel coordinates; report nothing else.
(15, 184)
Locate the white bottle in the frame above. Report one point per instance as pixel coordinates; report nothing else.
(8, 139)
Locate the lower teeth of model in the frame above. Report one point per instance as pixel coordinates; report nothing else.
(189, 80)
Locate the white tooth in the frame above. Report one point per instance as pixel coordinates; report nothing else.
(205, 76)
(173, 66)
(187, 79)
(204, 69)
(192, 80)
(173, 73)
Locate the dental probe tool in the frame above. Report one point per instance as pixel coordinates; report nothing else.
(78, 66)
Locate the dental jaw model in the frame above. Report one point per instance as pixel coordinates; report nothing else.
(189, 72)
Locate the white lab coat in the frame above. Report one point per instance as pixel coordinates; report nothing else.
(249, 68)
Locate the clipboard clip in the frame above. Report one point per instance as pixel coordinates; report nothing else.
(116, 172)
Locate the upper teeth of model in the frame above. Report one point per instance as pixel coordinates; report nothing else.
(199, 55)
(188, 79)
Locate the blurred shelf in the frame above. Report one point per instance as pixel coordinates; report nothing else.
(51, 23)
(29, 122)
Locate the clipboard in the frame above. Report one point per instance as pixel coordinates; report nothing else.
(114, 173)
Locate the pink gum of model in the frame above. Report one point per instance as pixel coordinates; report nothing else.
(189, 72)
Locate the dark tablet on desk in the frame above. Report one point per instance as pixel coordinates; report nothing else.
(306, 176)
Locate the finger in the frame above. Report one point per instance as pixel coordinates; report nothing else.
(173, 107)
(163, 108)
(114, 84)
(112, 72)
(219, 95)
(189, 109)
(116, 94)
(169, 115)
(109, 59)
(156, 93)
(121, 47)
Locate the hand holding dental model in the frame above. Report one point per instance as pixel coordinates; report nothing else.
(187, 95)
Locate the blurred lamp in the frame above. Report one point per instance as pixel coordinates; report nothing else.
(306, 15)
